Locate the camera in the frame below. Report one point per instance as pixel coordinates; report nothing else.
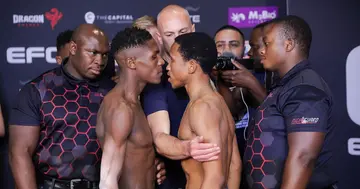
(224, 63)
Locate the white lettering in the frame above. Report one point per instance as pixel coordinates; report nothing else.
(352, 85)
(195, 18)
(354, 146)
(18, 19)
(22, 55)
(254, 15)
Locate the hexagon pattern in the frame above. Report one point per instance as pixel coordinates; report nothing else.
(68, 147)
(260, 165)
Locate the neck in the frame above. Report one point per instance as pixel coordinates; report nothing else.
(198, 85)
(288, 65)
(130, 84)
(69, 67)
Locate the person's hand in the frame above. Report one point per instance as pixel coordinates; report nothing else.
(160, 171)
(115, 78)
(241, 77)
(201, 151)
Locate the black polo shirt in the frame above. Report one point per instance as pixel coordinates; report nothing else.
(301, 102)
(65, 109)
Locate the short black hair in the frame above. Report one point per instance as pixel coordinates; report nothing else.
(128, 38)
(296, 28)
(262, 25)
(200, 47)
(230, 27)
(63, 38)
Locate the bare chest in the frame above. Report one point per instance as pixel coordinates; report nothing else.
(185, 132)
(140, 135)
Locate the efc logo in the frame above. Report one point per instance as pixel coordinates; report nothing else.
(352, 96)
(22, 55)
(352, 85)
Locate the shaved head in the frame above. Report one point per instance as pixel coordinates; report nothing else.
(173, 20)
(89, 48)
(86, 31)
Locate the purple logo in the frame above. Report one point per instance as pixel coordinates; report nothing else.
(247, 17)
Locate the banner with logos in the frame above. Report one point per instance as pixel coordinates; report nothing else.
(335, 54)
(29, 31)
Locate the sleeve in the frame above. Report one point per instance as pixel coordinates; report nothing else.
(26, 109)
(154, 98)
(305, 109)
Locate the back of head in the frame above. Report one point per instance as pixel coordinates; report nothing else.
(129, 38)
(200, 47)
(63, 38)
(297, 29)
(145, 22)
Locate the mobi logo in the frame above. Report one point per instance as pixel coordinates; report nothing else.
(247, 17)
(352, 85)
(35, 20)
(26, 55)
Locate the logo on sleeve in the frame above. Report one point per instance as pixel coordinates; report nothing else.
(304, 121)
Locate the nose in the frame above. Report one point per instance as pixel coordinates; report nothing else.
(168, 67)
(262, 51)
(161, 61)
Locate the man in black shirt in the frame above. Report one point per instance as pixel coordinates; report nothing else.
(289, 140)
(52, 126)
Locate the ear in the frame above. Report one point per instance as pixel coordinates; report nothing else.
(193, 27)
(192, 66)
(131, 63)
(289, 45)
(73, 48)
(58, 60)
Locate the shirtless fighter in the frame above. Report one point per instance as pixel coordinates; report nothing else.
(193, 56)
(123, 131)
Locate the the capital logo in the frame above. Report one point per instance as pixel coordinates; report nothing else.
(54, 15)
(89, 17)
(352, 85)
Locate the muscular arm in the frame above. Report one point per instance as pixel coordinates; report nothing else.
(118, 121)
(22, 144)
(301, 158)
(306, 113)
(205, 121)
(235, 167)
(167, 145)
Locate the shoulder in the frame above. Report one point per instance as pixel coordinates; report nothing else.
(309, 78)
(115, 106)
(205, 107)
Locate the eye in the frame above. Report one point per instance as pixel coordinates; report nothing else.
(168, 35)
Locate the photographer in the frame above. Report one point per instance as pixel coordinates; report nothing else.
(240, 88)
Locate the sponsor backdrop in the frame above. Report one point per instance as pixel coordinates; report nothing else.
(335, 54)
(29, 33)
(28, 48)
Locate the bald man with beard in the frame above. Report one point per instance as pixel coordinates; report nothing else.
(164, 107)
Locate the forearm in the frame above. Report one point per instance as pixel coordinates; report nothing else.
(171, 147)
(23, 170)
(215, 181)
(297, 171)
(234, 177)
(257, 91)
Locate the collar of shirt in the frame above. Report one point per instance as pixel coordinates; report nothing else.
(75, 81)
(305, 64)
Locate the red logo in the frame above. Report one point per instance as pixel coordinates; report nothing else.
(54, 15)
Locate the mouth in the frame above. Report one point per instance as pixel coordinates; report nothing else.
(95, 71)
